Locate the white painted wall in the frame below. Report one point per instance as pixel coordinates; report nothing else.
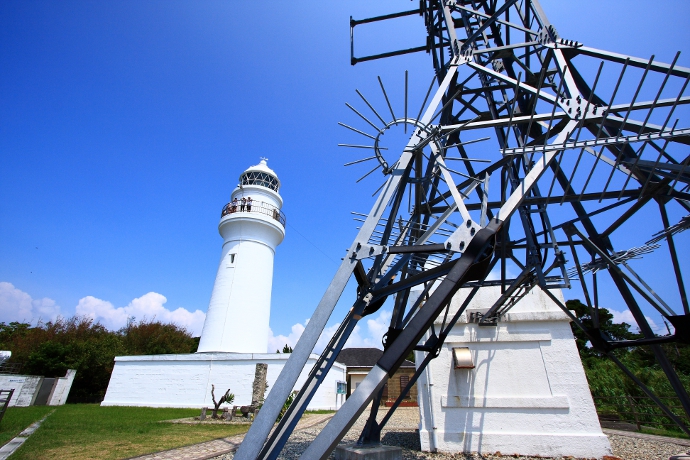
(185, 380)
(58, 396)
(527, 394)
(25, 388)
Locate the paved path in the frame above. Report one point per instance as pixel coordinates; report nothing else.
(221, 447)
(16, 442)
(210, 449)
(648, 437)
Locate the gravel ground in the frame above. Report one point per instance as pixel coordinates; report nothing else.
(400, 431)
(640, 449)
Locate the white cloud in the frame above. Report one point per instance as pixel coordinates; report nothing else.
(17, 305)
(367, 333)
(149, 306)
(627, 317)
(277, 342)
(370, 337)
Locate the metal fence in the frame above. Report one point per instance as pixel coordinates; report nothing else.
(256, 206)
(640, 411)
(5, 397)
(11, 368)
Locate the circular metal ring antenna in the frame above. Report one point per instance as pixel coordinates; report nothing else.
(416, 124)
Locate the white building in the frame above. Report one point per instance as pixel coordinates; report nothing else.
(519, 387)
(185, 380)
(235, 334)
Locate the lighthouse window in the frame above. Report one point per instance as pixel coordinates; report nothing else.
(232, 258)
(259, 178)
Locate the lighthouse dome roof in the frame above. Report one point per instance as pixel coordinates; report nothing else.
(260, 175)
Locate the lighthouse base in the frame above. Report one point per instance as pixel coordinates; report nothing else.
(185, 380)
(517, 387)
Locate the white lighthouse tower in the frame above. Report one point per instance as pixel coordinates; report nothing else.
(251, 225)
(235, 335)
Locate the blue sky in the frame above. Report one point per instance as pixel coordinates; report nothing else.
(124, 126)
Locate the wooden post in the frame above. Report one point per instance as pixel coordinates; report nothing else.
(203, 413)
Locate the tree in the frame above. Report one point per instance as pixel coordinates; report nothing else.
(286, 349)
(605, 378)
(615, 331)
(286, 405)
(226, 398)
(49, 349)
(155, 338)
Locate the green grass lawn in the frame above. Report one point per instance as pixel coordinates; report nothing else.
(16, 419)
(88, 431)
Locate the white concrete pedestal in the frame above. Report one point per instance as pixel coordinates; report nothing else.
(185, 380)
(527, 393)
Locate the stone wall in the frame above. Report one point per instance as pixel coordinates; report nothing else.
(61, 389)
(394, 387)
(25, 388)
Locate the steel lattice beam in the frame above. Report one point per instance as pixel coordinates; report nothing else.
(505, 65)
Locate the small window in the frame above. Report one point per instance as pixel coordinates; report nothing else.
(231, 260)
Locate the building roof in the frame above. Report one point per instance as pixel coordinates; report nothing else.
(364, 357)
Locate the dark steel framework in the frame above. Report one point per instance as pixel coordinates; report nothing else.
(580, 142)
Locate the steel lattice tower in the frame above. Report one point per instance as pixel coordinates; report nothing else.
(570, 160)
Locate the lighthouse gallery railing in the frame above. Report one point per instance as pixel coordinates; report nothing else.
(256, 206)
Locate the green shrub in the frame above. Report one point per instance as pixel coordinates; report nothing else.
(49, 349)
(607, 380)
